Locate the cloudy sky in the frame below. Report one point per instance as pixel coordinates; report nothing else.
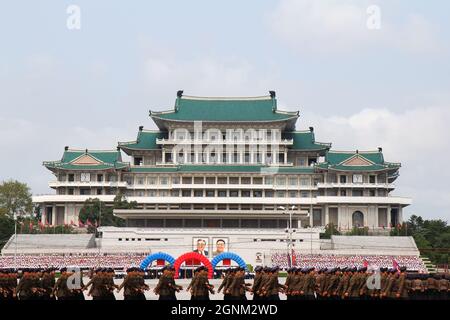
(363, 73)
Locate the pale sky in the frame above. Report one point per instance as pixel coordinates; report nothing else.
(360, 88)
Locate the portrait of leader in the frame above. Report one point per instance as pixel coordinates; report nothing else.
(201, 246)
(220, 246)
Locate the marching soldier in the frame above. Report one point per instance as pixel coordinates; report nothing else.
(353, 289)
(98, 289)
(60, 289)
(332, 284)
(8, 284)
(47, 284)
(265, 276)
(166, 286)
(27, 287)
(227, 279)
(129, 284)
(257, 283)
(238, 287)
(417, 287)
(201, 288)
(321, 283)
(309, 285)
(273, 287)
(444, 287)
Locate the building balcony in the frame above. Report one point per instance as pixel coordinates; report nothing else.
(88, 184)
(171, 141)
(329, 185)
(392, 200)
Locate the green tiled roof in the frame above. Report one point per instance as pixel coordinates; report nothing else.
(108, 159)
(335, 160)
(225, 168)
(146, 140)
(225, 110)
(305, 140)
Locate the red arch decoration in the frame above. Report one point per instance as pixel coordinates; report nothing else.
(193, 256)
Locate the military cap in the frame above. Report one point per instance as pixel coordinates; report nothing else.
(402, 269)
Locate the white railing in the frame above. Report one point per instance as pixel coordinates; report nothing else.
(225, 142)
(355, 185)
(116, 184)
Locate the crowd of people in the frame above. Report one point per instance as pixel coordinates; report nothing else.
(131, 260)
(319, 261)
(91, 261)
(300, 284)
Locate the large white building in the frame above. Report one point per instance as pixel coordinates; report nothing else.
(236, 164)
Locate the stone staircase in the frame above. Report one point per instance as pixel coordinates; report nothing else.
(430, 267)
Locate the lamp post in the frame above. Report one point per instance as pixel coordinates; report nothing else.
(15, 240)
(290, 212)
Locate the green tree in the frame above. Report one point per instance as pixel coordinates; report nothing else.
(6, 229)
(15, 197)
(330, 230)
(96, 213)
(358, 232)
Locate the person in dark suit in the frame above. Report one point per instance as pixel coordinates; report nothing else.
(201, 245)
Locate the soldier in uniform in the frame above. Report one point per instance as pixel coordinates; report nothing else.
(48, 283)
(129, 285)
(238, 287)
(166, 286)
(265, 276)
(28, 286)
(200, 286)
(353, 289)
(273, 287)
(401, 286)
(226, 281)
(11, 284)
(332, 284)
(60, 289)
(97, 283)
(444, 287)
(363, 289)
(287, 283)
(431, 287)
(257, 283)
(343, 284)
(309, 285)
(417, 287)
(321, 283)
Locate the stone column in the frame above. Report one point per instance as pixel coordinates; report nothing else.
(54, 215)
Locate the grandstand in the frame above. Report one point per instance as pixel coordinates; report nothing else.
(370, 245)
(50, 244)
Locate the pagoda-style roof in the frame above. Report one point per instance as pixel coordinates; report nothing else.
(146, 140)
(88, 160)
(305, 141)
(360, 161)
(220, 109)
(224, 168)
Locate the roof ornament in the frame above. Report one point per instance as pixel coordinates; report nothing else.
(66, 148)
(118, 148)
(274, 101)
(179, 93)
(311, 129)
(86, 151)
(380, 149)
(141, 128)
(357, 151)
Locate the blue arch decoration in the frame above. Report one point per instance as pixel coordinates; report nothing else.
(231, 256)
(156, 256)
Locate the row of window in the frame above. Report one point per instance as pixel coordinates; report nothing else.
(229, 193)
(269, 180)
